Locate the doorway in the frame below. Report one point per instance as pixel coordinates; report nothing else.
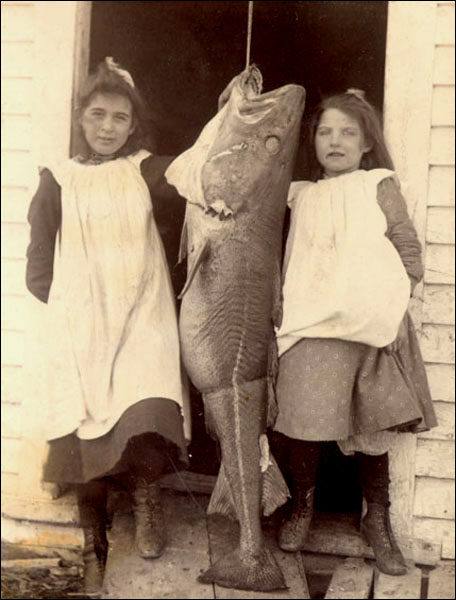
(183, 54)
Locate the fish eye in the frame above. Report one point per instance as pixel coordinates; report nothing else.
(272, 144)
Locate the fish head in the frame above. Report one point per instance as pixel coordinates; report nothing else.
(256, 145)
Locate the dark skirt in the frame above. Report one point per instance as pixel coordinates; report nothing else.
(331, 389)
(157, 421)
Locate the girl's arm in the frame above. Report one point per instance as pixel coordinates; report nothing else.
(44, 216)
(400, 229)
(153, 170)
(169, 213)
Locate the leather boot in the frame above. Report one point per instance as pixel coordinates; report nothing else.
(150, 538)
(293, 533)
(377, 531)
(94, 555)
(396, 550)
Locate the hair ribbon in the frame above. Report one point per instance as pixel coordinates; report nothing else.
(125, 75)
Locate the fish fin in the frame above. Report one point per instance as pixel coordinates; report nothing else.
(222, 501)
(277, 300)
(183, 243)
(196, 261)
(260, 573)
(219, 208)
(273, 370)
(275, 491)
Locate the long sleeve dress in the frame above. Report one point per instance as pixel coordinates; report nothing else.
(114, 372)
(334, 386)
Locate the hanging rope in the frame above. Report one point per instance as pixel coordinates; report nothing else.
(249, 34)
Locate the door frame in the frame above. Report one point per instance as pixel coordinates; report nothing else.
(407, 118)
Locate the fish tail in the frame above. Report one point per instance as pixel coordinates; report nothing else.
(260, 572)
(274, 492)
(237, 417)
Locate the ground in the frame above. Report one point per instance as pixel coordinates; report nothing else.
(194, 542)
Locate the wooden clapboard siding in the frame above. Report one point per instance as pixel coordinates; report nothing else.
(442, 146)
(444, 65)
(434, 486)
(18, 33)
(17, 165)
(434, 498)
(15, 203)
(13, 279)
(11, 420)
(407, 129)
(36, 115)
(18, 22)
(440, 264)
(443, 106)
(15, 237)
(12, 384)
(13, 312)
(17, 95)
(445, 428)
(441, 381)
(17, 57)
(10, 485)
(16, 132)
(440, 225)
(12, 348)
(427, 529)
(437, 343)
(435, 458)
(444, 34)
(441, 182)
(438, 304)
(11, 457)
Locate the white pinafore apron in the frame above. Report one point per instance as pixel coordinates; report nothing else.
(112, 332)
(343, 278)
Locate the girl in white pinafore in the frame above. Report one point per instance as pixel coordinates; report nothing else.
(350, 368)
(117, 399)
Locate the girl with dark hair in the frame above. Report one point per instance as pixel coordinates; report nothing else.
(350, 369)
(117, 398)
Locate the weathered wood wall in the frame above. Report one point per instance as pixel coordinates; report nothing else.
(18, 51)
(44, 51)
(38, 49)
(434, 491)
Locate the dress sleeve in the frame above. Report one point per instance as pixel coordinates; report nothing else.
(169, 213)
(293, 191)
(44, 216)
(153, 171)
(400, 229)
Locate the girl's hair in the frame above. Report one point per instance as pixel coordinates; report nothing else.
(353, 104)
(110, 79)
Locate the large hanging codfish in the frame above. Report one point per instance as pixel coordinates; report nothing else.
(235, 179)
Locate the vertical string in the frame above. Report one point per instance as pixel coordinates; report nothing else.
(249, 34)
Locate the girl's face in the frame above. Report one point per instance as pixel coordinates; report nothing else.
(107, 122)
(339, 143)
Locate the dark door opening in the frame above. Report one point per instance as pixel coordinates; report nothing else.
(182, 55)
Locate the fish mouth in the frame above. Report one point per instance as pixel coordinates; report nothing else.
(252, 81)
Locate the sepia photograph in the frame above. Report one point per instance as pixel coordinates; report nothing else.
(228, 299)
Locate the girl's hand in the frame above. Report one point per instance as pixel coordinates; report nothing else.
(399, 341)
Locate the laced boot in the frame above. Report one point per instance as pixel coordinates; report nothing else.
(377, 531)
(150, 538)
(293, 533)
(396, 550)
(94, 555)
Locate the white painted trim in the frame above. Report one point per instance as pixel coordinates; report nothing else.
(53, 79)
(55, 40)
(407, 124)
